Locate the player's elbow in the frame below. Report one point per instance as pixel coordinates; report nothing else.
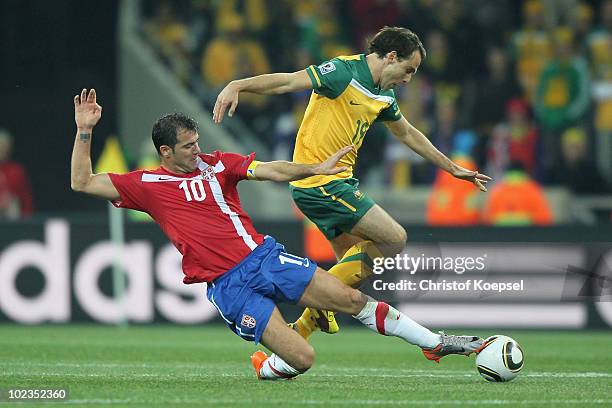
(77, 186)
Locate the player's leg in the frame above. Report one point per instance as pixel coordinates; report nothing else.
(335, 208)
(327, 292)
(292, 355)
(380, 228)
(376, 234)
(349, 270)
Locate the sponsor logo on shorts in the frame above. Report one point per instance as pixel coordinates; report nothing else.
(358, 194)
(327, 68)
(248, 321)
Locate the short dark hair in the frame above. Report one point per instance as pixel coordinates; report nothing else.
(167, 128)
(399, 39)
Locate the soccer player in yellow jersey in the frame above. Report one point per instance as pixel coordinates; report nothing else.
(349, 94)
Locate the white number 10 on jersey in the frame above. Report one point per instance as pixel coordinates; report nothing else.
(197, 190)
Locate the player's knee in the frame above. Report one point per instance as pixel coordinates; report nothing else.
(400, 237)
(305, 359)
(403, 237)
(395, 241)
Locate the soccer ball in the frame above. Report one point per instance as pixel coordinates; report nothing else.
(500, 359)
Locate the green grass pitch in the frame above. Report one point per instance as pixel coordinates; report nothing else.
(172, 366)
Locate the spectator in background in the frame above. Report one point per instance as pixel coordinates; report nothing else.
(451, 17)
(171, 36)
(254, 12)
(234, 54)
(576, 171)
(515, 139)
(439, 66)
(582, 24)
(404, 167)
(320, 31)
(517, 200)
(600, 57)
(15, 192)
(493, 94)
(445, 126)
(452, 203)
(562, 95)
(531, 47)
(379, 13)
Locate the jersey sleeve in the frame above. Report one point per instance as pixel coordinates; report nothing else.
(390, 114)
(238, 165)
(130, 190)
(330, 78)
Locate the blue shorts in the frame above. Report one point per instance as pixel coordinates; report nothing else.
(246, 294)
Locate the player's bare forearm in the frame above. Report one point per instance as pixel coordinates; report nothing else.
(267, 84)
(290, 171)
(87, 113)
(82, 178)
(283, 171)
(414, 139)
(418, 142)
(274, 84)
(425, 148)
(80, 164)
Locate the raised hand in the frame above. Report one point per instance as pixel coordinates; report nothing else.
(480, 180)
(227, 98)
(87, 112)
(329, 166)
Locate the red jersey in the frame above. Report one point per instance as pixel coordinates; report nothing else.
(199, 212)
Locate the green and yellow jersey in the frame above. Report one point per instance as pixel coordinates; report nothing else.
(344, 103)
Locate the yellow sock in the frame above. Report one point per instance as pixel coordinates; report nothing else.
(352, 269)
(356, 265)
(305, 325)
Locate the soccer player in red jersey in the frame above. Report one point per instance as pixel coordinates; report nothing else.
(193, 197)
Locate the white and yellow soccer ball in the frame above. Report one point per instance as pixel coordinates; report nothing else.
(500, 359)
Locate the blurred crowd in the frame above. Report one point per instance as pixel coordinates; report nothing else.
(519, 89)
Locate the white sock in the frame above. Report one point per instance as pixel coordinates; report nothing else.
(274, 368)
(386, 320)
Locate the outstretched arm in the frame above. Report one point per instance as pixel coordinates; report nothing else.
(87, 113)
(290, 171)
(267, 84)
(417, 141)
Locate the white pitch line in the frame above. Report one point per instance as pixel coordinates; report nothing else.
(175, 375)
(352, 372)
(351, 402)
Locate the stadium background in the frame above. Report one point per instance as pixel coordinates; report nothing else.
(484, 95)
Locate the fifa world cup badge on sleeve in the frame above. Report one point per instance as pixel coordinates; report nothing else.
(326, 68)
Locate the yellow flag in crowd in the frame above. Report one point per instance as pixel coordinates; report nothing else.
(112, 159)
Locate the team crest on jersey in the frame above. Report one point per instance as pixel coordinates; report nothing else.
(248, 321)
(208, 174)
(327, 68)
